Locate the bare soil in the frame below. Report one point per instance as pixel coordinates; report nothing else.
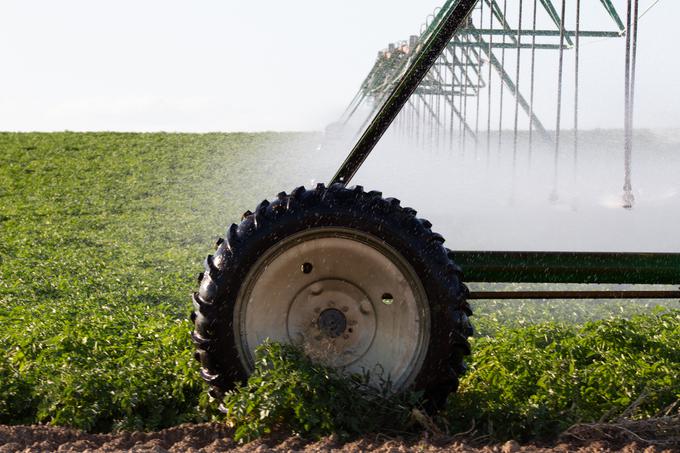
(213, 437)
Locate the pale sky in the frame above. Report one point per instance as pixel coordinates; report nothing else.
(208, 65)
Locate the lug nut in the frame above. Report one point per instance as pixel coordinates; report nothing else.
(365, 307)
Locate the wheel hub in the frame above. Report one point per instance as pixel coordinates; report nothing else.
(347, 298)
(332, 322)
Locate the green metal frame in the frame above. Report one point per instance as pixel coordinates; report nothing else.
(489, 266)
(449, 20)
(570, 267)
(388, 70)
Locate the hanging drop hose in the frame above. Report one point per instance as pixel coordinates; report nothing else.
(533, 83)
(500, 115)
(554, 195)
(627, 186)
(433, 124)
(631, 60)
(465, 53)
(576, 83)
(453, 94)
(517, 76)
(488, 118)
(461, 119)
(440, 90)
(479, 78)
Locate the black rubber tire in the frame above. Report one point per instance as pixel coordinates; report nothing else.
(334, 206)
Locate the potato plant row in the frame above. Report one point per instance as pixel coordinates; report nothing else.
(101, 235)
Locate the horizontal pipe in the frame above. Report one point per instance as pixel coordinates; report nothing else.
(530, 32)
(509, 45)
(516, 295)
(444, 92)
(570, 267)
(458, 64)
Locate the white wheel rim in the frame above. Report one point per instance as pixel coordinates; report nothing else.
(326, 289)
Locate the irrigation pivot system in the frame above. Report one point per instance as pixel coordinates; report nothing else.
(447, 100)
(485, 79)
(362, 283)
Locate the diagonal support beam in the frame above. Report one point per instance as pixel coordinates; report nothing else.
(498, 13)
(452, 18)
(513, 88)
(613, 14)
(555, 16)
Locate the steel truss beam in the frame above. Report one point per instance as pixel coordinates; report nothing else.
(469, 51)
(555, 33)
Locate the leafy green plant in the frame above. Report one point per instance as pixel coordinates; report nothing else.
(289, 391)
(536, 381)
(100, 234)
(492, 315)
(17, 401)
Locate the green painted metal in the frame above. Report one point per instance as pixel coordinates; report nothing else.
(507, 80)
(585, 294)
(500, 45)
(613, 14)
(498, 13)
(555, 16)
(582, 33)
(442, 92)
(450, 20)
(394, 79)
(570, 267)
(391, 66)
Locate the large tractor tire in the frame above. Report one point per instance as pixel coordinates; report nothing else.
(355, 279)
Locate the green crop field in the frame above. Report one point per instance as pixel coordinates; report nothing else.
(102, 235)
